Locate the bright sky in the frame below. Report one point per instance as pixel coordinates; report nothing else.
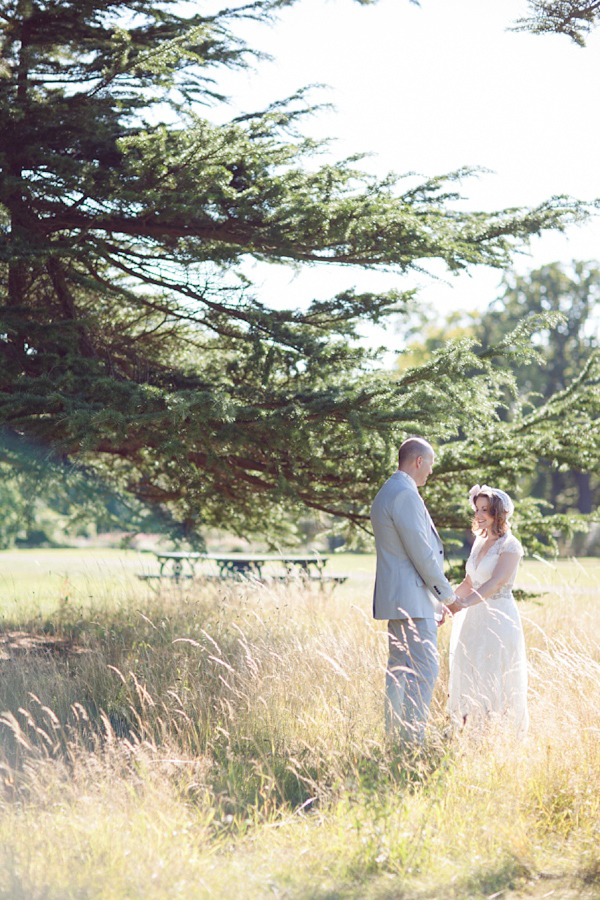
(431, 89)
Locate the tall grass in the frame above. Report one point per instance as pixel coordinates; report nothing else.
(208, 741)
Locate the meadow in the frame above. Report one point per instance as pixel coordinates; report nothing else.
(208, 740)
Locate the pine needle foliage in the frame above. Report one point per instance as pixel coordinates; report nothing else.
(571, 17)
(132, 342)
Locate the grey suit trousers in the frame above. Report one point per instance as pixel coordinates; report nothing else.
(413, 667)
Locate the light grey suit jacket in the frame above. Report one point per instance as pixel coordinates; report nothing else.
(410, 580)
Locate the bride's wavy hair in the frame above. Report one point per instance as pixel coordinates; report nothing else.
(498, 513)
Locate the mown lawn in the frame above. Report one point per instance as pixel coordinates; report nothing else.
(208, 740)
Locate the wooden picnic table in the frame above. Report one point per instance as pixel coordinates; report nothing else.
(235, 565)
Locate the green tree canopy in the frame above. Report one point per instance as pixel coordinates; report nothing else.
(131, 340)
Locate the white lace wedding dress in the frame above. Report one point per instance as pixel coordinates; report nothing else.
(488, 668)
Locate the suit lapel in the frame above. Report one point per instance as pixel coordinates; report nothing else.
(433, 528)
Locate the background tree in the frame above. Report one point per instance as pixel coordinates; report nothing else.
(130, 338)
(565, 349)
(559, 310)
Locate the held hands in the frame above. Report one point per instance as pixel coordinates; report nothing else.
(459, 596)
(458, 600)
(455, 605)
(448, 609)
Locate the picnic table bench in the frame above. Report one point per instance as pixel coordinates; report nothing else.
(181, 564)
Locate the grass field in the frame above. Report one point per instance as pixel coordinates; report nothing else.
(206, 740)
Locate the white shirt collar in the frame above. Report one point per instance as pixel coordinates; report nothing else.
(410, 478)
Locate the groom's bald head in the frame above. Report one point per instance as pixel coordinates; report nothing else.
(412, 448)
(416, 458)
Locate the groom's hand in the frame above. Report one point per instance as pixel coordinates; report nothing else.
(445, 612)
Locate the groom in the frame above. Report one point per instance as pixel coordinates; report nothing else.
(410, 590)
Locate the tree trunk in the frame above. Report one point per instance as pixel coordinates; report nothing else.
(585, 502)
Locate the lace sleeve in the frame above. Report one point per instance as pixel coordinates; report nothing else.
(510, 545)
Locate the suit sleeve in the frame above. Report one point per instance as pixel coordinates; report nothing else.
(411, 523)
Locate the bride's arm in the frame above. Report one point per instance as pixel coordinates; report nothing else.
(464, 588)
(503, 571)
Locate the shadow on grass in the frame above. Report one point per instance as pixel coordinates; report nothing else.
(260, 781)
(498, 882)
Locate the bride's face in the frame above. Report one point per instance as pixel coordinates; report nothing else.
(482, 517)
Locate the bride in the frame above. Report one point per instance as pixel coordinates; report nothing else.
(488, 669)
